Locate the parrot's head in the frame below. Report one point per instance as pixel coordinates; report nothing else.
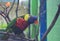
(31, 19)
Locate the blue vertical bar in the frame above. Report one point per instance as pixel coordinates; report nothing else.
(43, 18)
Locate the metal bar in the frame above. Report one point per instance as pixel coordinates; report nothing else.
(43, 18)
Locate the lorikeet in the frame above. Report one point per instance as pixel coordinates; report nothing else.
(20, 24)
(23, 22)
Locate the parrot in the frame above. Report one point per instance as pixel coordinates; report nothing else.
(20, 24)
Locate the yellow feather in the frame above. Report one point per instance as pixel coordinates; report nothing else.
(26, 17)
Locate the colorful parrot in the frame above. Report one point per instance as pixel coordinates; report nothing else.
(20, 24)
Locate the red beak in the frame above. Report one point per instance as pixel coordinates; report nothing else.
(36, 22)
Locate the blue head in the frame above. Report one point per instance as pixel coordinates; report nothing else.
(33, 19)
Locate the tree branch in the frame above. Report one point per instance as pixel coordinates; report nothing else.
(18, 38)
(4, 16)
(17, 8)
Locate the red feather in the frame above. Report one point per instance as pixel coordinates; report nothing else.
(21, 23)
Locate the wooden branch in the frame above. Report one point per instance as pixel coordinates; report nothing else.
(2, 6)
(18, 38)
(4, 16)
(17, 8)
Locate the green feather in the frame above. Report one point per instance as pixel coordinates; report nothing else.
(10, 25)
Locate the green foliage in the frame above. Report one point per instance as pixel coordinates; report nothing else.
(3, 26)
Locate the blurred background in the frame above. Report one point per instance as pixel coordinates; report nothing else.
(52, 7)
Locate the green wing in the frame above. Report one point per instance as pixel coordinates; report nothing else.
(10, 24)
